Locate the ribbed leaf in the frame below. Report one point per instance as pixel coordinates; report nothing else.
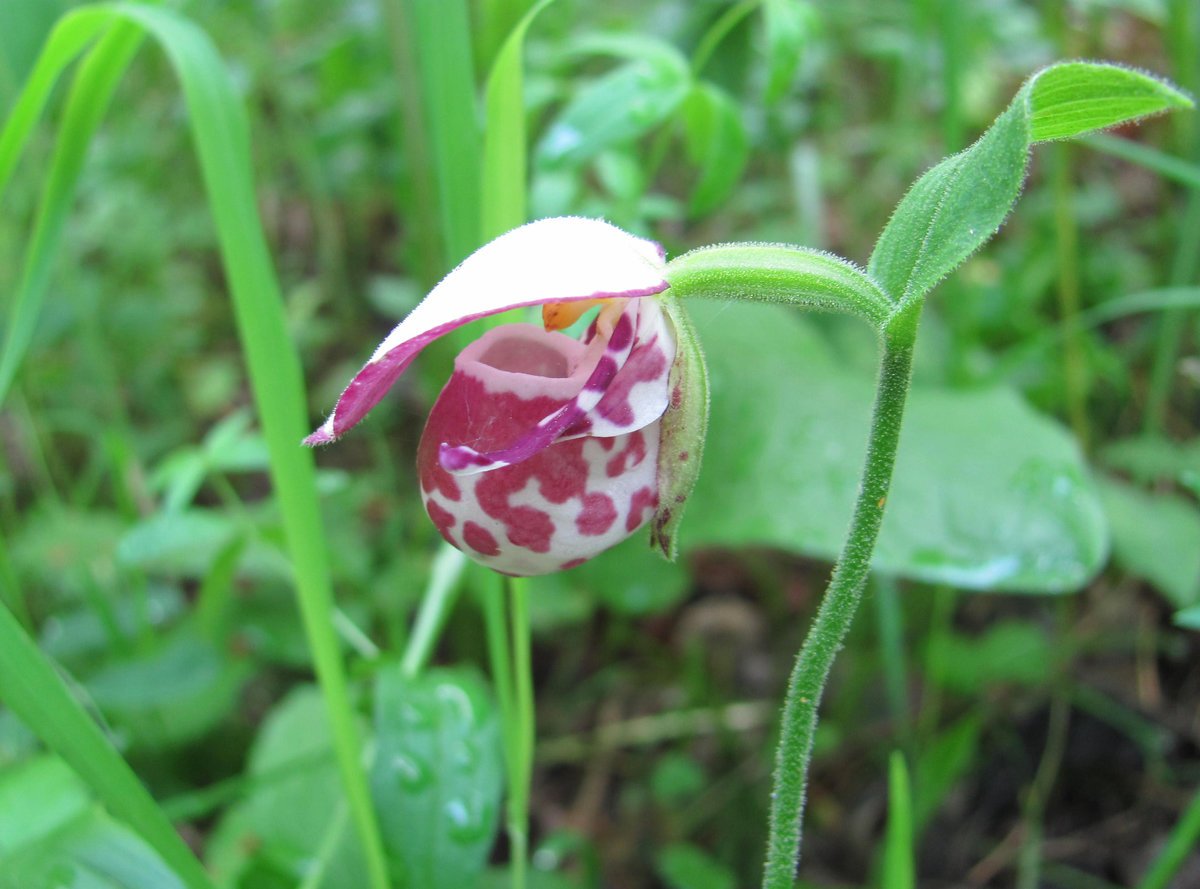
(958, 205)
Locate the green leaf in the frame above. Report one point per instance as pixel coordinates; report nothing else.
(1149, 459)
(176, 692)
(92, 852)
(952, 210)
(1075, 98)
(617, 107)
(684, 427)
(294, 805)
(899, 869)
(61, 797)
(1005, 653)
(958, 205)
(684, 866)
(437, 774)
(790, 25)
(1156, 537)
(716, 143)
(987, 494)
(941, 762)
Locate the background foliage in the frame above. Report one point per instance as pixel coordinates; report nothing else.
(1051, 449)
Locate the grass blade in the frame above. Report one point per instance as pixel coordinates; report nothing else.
(505, 142)
(89, 98)
(899, 871)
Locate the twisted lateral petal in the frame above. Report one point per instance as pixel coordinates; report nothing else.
(639, 393)
(549, 261)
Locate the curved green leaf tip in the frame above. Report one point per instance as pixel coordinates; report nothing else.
(1074, 98)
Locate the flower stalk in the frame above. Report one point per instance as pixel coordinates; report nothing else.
(839, 605)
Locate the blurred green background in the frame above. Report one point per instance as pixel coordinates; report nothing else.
(1029, 641)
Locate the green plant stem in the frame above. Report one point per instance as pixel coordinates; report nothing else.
(838, 607)
(436, 605)
(510, 661)
(522, 730)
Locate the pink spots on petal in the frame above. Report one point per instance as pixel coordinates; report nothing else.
(628, 457)
(480, 539)
(442, 518)
(646, 364)
(597, 515)
(571, 563)
(622, 334)
(644, 499)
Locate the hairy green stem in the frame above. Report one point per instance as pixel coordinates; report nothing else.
(838, 607)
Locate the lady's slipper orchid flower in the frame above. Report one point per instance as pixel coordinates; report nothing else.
(542, 450)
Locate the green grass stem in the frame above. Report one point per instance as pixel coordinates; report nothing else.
(1183, 841)
(436, 605)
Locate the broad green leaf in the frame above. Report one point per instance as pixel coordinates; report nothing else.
(176, 692)
(273, 835)
(617, 107)
(959, 204)
(1156, 537)
(437, 774)
(789, 25)
(186, 543)
(716, 143)
(987, 494)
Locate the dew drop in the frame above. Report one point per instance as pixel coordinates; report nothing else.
(412, 774)
(468, 823)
